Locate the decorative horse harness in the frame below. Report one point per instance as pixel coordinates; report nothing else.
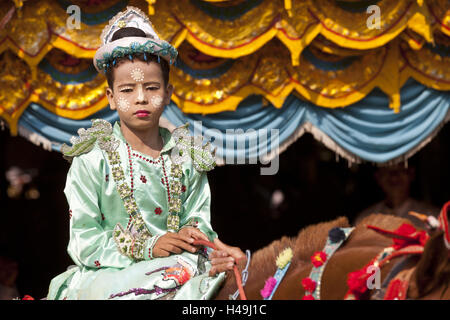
(407, 242)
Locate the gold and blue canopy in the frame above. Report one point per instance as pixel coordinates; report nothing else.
(272, 57)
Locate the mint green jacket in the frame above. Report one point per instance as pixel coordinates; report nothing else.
(120, 201)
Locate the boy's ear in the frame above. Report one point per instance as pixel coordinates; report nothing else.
(110, 96)
(169, 91)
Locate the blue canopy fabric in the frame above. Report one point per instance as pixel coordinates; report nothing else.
(365, 131)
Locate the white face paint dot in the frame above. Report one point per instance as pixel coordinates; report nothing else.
(156, 101)
(123, 104)
(137, 74)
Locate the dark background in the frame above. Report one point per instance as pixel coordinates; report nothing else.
(316, 186)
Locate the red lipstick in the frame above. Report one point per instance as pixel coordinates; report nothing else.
(142, 113)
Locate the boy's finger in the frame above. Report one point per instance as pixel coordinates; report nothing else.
(184, 238)
(183, 245)
(170, 248)
(219, 244)
(218, 268)
(197, 233)
(217, 254)
(222, 261)
(160, 253)
(222, 267)
(212, 272)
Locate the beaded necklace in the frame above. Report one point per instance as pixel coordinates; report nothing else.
(173, 187)
(130, 241)
(160, 159)
(131, 152)
(130, 162)
(136, 155)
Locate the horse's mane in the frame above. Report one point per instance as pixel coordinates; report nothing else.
(363, 236)
(314, 237)
(264, 259)
(308, 240)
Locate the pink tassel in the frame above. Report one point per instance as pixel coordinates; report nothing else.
(268, 287)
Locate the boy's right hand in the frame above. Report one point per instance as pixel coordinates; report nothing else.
(172, 243)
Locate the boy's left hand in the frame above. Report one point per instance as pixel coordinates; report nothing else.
(192, 233)
(225, 257)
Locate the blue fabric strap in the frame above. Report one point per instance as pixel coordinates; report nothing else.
(329, 249)
(279, 275)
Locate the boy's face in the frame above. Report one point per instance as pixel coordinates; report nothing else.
(139, 93)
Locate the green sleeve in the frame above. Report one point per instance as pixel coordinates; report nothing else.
(89, 245)
(197, 203)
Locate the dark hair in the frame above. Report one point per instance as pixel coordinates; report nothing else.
(433, 268)
(135, 32)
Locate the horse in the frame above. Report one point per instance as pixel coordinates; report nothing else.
(429, 280)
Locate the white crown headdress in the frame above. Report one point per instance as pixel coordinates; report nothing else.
(151, 44)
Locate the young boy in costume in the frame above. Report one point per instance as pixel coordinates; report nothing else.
(138, 195)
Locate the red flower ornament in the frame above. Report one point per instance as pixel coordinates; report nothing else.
(357, 282)
(318, 258)
(308, 297)
(408, 230)
(27, 297)
(309, 284)
(158, 211)
(403, 236)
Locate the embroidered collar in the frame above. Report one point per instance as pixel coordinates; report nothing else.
(168, 141)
